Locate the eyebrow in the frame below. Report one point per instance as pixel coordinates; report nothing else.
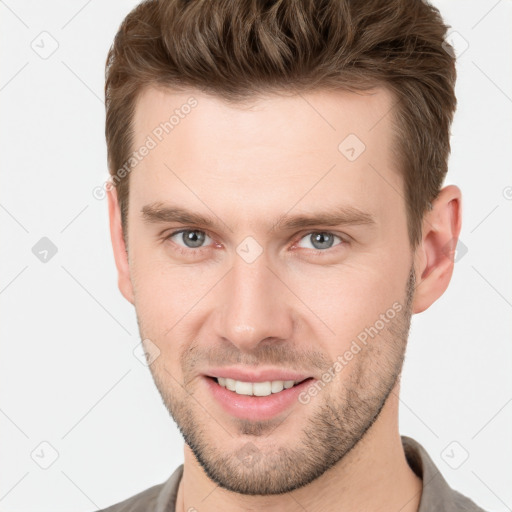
(340, 216)
(156, 213)
(159, 213)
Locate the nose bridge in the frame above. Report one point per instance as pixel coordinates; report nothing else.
(254, 308)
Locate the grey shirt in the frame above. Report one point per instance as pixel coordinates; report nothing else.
(437, 495)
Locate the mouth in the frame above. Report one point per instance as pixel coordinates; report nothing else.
(265, 388)
(256, 401)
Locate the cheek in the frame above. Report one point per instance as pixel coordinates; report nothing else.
(335, 302)
(158, 282)
(166, 296)
(342, 302)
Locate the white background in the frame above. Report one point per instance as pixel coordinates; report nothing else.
(68, 373)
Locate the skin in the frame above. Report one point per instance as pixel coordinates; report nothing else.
(294, 307)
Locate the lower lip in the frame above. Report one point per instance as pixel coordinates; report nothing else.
(255, 408)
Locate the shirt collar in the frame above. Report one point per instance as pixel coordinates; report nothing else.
(436, 494)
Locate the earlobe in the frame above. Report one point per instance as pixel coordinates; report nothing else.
(434, 256)
(119, 247)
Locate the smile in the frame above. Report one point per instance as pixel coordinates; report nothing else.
(256, 399)
(256, 388)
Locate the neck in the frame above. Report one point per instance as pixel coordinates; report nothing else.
(374, 475)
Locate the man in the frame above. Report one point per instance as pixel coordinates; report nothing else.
(277, 216)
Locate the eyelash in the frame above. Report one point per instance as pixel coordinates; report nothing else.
(188, 251)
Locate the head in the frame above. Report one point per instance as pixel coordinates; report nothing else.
(277, 207)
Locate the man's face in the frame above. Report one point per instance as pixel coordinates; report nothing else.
(255, 297)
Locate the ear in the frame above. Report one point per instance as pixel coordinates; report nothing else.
(119, 247)
(434, 256)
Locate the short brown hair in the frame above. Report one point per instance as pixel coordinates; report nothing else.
(237, 49)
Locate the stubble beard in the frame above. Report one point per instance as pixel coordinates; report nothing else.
(338, 418)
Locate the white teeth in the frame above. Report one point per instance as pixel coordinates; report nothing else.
(255, 388)
(230, 384)
(276, 386)
(262, 388)
(243, 388)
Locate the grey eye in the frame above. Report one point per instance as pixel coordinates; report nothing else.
(191, 238)
(320, 240)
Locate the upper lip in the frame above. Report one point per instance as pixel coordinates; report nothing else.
(260, 375)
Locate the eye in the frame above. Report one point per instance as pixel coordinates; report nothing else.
(189, 238)
(319, 240)
(198, 239)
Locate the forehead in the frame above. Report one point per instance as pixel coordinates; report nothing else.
(328, 147)
(331, 113)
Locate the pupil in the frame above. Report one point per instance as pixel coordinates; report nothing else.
(321, 240)
(193, 238)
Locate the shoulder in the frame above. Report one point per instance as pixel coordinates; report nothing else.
(436, 494)
(159, 498)
(139, 502)
(464, 504)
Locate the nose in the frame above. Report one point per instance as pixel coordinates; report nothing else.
(255, 306)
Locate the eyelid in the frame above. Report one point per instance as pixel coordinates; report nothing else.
(345, 239)
(179, 231)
